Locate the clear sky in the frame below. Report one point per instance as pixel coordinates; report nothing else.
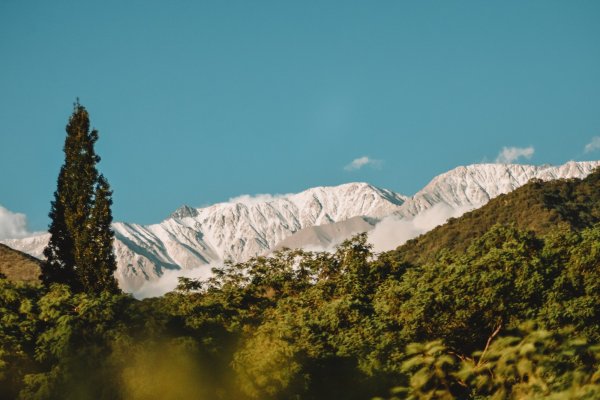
(197, 102)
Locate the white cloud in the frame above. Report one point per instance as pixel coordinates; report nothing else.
(12, 225)
(250, 199)
(393, 231)
(510, 154)
(360, 162)
(169, 279)
(593, 145)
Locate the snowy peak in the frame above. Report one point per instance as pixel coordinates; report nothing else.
(321, 203)
(184, 212)
(246, 226)
(474, 185)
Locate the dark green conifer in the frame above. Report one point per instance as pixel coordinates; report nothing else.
(75, 227)
(98, 273)
(60, 260)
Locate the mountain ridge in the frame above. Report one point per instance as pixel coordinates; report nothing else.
(538, 206)
(249, 226)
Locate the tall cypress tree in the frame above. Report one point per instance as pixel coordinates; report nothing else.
(98, 273)
(60, 260)
(74, 227)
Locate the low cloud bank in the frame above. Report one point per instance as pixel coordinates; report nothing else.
(250, 199)
(12, 225)
(169, 280)
(394, 231)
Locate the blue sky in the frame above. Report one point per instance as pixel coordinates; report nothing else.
(197, 102)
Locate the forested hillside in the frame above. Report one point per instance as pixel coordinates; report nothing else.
(538, 206)
(502, 303)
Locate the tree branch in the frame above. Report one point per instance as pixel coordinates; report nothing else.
(489, 341)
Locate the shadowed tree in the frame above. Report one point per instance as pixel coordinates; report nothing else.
(98, 273)
(79, 252)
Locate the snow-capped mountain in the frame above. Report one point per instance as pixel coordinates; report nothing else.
(248, 226)
(32, 245)
(236, 230)
(474, 185)
(451, 194)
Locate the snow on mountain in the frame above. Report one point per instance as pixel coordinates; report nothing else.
(239, 229)
(248, 226)
(32, 245)
(236, 230)
(460, 190)
(447, 195)
(474, 185)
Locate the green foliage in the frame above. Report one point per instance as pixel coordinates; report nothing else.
(538, 206)
(78, 332)
(511, 313)
(532, 364)
(79, 252)
(97, 275)
(430, 367)
(574, 298)
(18, 328)
(498, 280)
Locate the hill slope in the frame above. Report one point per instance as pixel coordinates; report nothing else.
(537, 206)
(18, 266)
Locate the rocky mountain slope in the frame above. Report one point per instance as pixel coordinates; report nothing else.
(249, 226)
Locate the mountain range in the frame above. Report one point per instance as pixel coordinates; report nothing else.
(317, 218)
